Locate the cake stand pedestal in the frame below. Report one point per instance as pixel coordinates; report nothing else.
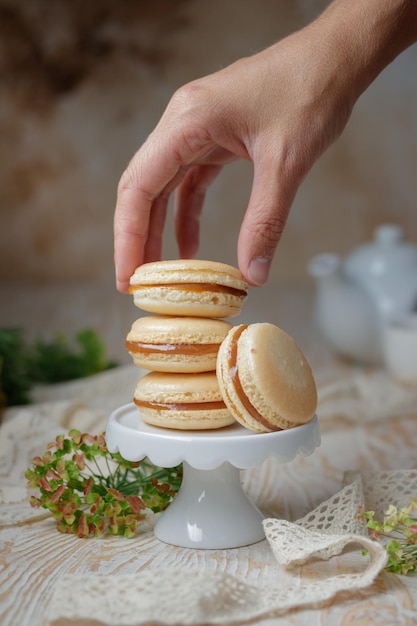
(211, 509)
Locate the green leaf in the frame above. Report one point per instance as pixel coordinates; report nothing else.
(57, 360)
(15, 381)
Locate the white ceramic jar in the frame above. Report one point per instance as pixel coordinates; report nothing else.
(399, 340)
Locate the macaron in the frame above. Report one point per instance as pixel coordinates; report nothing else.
(176, 344)
(265, 379)
(189, 287)
(182, 401)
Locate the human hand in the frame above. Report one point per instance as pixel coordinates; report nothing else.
(280, 108)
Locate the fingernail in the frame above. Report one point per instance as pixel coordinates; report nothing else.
(258, 271)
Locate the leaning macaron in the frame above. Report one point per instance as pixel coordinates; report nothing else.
(182, 401)
(265, 378)
(189, 287)
(176, 344)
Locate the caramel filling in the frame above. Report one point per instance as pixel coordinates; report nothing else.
(238, 386)
(172, 348)
(194, 287)
(215, 405)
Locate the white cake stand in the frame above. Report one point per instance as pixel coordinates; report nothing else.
(211, 510)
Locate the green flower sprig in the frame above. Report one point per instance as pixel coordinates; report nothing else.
(89, 490)
(398, 531)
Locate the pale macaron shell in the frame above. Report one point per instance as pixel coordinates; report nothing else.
(171, 389)
(274, 375)
(178, 338)
(153, 286)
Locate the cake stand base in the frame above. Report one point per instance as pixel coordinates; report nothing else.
(211, 509)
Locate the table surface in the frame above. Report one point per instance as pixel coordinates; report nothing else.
(363, 437)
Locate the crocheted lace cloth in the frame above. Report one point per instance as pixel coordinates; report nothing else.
(205, 597)
(200, 597)
(310, 560)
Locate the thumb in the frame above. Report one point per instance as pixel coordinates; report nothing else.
(264, 221)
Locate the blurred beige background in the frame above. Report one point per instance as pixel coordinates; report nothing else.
(83, 83)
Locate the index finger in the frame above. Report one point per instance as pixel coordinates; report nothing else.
(150, 172)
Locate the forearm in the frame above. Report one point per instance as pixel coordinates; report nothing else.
(367, 35)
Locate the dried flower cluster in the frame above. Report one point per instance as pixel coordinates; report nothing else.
(89, 490)
(398, 531)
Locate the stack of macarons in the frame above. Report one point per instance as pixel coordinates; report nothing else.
(180, 341)
(206, 373)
